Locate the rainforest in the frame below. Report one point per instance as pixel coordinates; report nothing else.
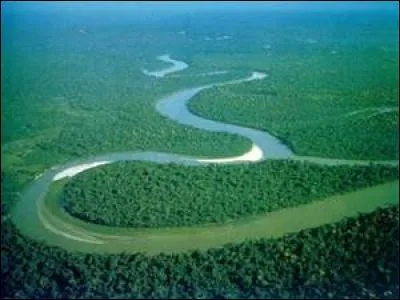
(169, 150)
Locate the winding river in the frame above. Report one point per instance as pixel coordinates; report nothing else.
(49, 223)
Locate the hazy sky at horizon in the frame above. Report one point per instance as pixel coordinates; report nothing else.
(345, 5)
(158, 11)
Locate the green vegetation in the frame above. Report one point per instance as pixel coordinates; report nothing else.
(72, 87)
(82, 94)
(141, 194)
(61, 129)
(153, 241)
(305, 100)
(67, 95)
(355, 258)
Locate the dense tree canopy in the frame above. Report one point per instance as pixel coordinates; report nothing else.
(358, 257)
(308, 102)
(75, 89)
(142, 194)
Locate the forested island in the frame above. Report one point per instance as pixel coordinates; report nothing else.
(143, 194)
